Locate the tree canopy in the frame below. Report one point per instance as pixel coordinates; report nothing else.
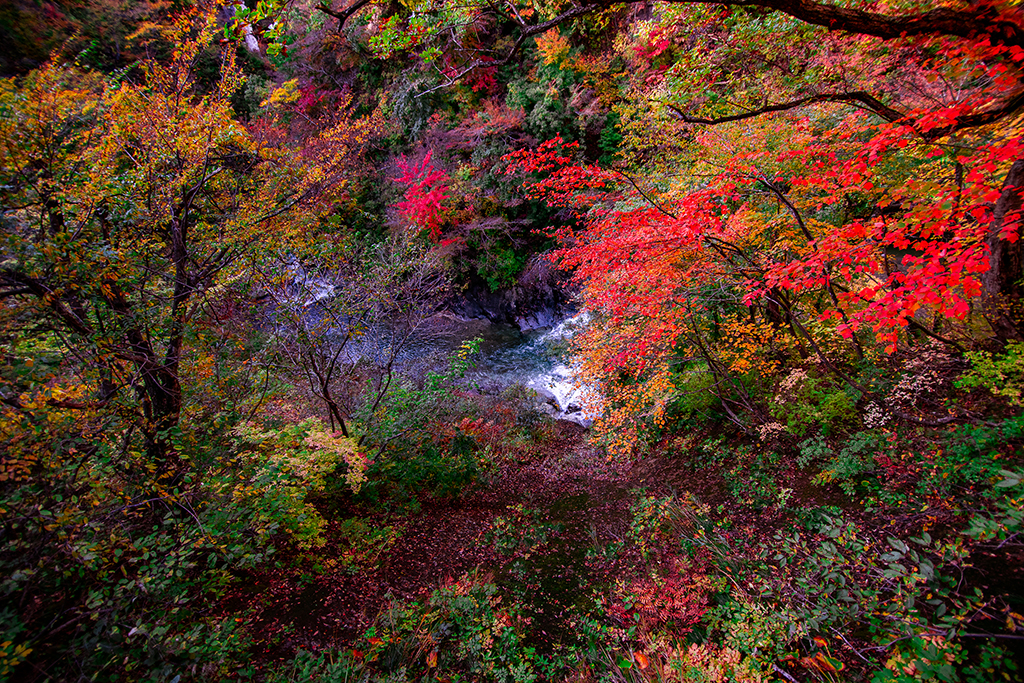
(791, 231)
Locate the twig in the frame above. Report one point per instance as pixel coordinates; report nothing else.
(783, 673)
(852, 648)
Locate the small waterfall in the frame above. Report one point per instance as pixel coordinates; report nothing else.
(561, 382)
(536, 358)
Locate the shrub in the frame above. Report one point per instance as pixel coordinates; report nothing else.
(695, 396)
(752, 479)
(1007, 521)
(846, 466)
(464, 629)
(804, 401)
(1002, 375)
(289, 464)
(521, 531)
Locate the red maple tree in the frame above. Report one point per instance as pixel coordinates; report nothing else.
(425, 194)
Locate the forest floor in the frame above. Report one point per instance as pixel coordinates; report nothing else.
(562, 489)
(549, 524)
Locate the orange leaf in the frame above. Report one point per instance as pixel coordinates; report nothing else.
(432, 659)
(825, 663)
(641, 660)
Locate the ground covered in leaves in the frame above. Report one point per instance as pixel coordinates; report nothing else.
(557, 560)
(527, 522)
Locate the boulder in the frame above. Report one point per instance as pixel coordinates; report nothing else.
(545, 396)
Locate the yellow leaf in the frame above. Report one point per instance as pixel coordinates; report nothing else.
(286, 94)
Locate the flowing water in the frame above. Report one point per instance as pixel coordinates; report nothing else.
(537, 359)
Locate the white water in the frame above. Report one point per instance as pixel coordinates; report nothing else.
(537, 359)
(574, 398)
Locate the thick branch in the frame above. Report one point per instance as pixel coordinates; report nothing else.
(862, 98)
(345, 14)
(1008, 107)
(940, 21)
(22, 283)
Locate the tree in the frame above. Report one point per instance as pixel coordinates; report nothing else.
(347, 315)
(822, 182)
(425, 195)
(132, 207)
(425, 23)
(127, 204)
(938, 80)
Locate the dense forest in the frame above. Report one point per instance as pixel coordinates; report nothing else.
(253, 257)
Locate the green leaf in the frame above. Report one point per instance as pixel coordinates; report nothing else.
(1012, 479)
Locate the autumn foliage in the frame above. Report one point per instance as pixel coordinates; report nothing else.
(825, 221)
(425, 194)
(241, 441)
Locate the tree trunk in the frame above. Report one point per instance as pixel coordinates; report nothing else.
(1003, 284)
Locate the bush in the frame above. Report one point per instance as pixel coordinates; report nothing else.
(499, 267)
(752, 479)
(465, 629)
(804, 401)
(695, 398)
(1002, 375)
(438, 470)
(845, 467)
(520, 532)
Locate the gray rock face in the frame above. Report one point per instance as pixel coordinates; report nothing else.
(547, 403)
(540, 298)
(584, 422)
(546, 317)
(545, 396)
(548, 409)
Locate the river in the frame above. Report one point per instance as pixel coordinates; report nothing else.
(537, 359)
